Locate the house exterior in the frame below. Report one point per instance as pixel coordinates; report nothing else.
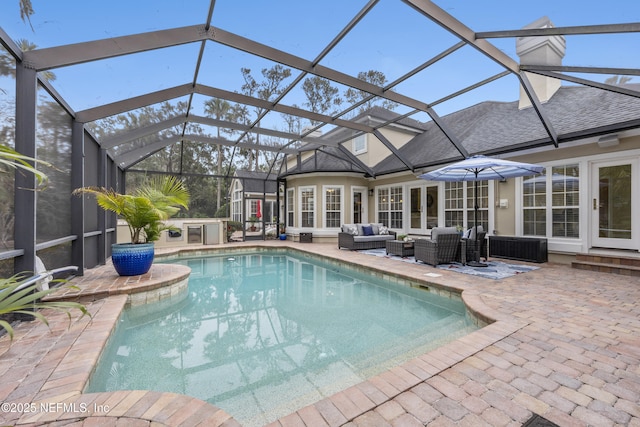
(253, 200)
(586, 200)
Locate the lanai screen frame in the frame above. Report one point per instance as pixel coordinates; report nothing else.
(91, 248)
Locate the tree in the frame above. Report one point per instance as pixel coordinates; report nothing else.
(618, 80)
(321, 96)
(268, 88)
(354, 96)
(219, 109)
(26, 10)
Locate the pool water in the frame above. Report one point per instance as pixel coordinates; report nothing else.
(262, 335)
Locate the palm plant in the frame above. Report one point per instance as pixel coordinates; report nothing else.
(12, 159)
(15, 297)
(146, 210)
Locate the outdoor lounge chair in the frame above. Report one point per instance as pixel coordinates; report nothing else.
(475, 249)
(444, 247)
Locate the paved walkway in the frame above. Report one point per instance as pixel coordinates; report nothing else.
(565, 344)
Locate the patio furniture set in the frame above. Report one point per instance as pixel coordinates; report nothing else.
(445, 246)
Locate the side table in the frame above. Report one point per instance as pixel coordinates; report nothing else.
(399, 247)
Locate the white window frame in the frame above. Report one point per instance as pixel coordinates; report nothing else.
(301, 192)
(291, 207)
(389, 188)
(464, 204)
(236, 203)
(360, 144)
(549, 206)
(325, 189)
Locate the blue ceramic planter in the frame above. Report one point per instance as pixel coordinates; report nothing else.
(132, 260)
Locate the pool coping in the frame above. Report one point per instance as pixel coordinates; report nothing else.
(107, 300)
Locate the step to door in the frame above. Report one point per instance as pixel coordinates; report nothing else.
(628, 266)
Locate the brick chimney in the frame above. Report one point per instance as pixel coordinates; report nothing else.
(541, 50)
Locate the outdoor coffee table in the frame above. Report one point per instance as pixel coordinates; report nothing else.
(399, 247)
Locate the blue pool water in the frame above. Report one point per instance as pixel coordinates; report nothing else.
(262, 335)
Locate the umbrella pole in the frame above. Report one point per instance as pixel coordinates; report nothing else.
(476, 250)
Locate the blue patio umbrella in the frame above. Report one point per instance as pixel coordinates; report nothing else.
(478, 168)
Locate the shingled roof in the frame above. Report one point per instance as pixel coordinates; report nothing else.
(257, 182)
(500, 127)
(331, 159)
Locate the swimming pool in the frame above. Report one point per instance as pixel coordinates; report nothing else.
(261, 335)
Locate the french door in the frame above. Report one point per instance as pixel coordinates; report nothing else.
(423, 205)
(359, 209)
(416, 207)
(614, 204)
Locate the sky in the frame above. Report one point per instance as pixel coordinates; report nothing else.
(392, 38)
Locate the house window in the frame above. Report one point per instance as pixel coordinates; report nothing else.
(307, 207)
(459, 204)
(483, 204)
(534, 205)
(561, 210)
(360, 144)
(565, 198)
(290, 206)
(253, 207)
(237, 204)
(333, 207)
(390, 206)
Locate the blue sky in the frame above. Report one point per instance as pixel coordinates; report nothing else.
(393, 39)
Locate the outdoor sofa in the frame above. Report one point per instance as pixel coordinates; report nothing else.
(364, 236)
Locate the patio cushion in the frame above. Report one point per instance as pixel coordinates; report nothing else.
(442, 230)
(471, 233)
(350, 228)
(373, 238)
(367, 230)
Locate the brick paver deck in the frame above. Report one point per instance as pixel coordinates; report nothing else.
(564, 344)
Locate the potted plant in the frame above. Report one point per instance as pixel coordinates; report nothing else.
(252, 221)
(283, 231)
(145, 212)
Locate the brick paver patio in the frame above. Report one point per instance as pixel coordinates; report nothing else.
(564, 344)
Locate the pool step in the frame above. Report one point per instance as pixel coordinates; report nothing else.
(615, 264)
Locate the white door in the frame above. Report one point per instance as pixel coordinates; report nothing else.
(613, 207)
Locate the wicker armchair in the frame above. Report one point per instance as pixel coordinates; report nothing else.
(476, 249)
(444, 247)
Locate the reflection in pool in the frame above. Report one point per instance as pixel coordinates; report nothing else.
(262, 335)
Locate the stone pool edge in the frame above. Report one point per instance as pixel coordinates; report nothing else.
(339, 408)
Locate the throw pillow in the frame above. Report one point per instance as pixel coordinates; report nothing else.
(352, 229)
(384, 230)
(367, 230)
